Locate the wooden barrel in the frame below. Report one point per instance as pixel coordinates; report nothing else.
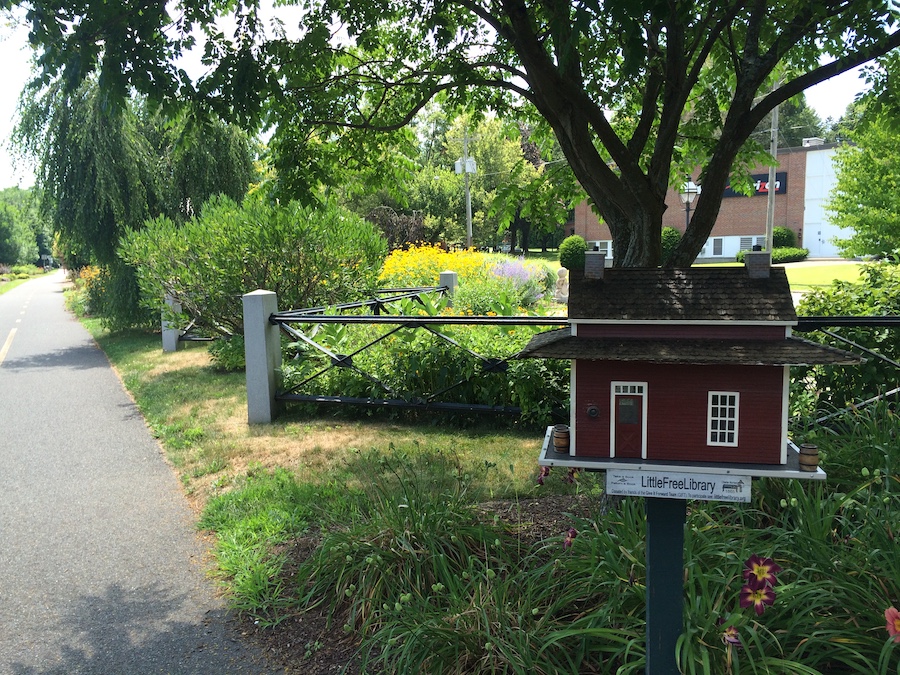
(561, 438)
(809, 457)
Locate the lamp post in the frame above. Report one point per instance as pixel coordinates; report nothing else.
(688, 192)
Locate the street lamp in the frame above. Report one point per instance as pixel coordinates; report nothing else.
(688, 191)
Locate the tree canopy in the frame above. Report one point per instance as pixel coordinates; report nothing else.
(866, 198)
(637, 93)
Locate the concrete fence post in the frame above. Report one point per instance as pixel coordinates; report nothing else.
(171, 334)
(449, 279)
(262, 352)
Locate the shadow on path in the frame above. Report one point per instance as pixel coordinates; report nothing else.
(132, 631)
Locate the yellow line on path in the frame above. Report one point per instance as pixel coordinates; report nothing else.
(6, 345)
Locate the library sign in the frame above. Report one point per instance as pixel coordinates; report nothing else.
(760, 182)
(675, 485)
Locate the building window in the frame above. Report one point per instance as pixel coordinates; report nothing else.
(722, 425)
(717, 246)
(748, 242)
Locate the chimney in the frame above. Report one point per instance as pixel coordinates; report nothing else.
(594, 264)
(758, 262)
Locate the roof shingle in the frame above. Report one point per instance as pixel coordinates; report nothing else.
(693, 294)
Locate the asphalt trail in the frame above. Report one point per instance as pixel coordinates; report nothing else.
(101, 569)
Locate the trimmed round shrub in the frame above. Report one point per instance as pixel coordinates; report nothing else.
(784, 237)
(571, 252)
(670, 240)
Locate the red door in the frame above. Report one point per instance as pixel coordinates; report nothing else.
(629, 431)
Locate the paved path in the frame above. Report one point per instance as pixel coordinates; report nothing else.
(101, 570)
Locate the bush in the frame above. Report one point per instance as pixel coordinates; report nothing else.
(413, 364)
(670, 240)
(784, 237)
(877, 294)
(571, 252)
(308, 256)
(781, 255)
(227, 353)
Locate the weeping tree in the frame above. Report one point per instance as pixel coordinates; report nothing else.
(105, 165)
(637, 94)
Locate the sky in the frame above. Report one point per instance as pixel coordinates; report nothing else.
(829, 99)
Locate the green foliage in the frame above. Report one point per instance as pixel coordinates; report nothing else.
(227, 353)
(23, 234)
(670, 240)
(878, 294)
(114, 297)
(413, 364)
(865, 200)
(571, 252)
(431, 579)
(308, 256)
(266, 510)
(637, 104)
(783, 237)
(781, 255)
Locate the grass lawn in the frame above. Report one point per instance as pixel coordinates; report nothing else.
(9, 285)
(200, 415)
(810, 277)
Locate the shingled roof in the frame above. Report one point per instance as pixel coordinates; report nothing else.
(693, 294)
(561, 344)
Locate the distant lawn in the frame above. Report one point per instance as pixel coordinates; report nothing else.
(810, 277)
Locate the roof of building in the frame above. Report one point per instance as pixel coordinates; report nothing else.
(688, 295)
(792, 351)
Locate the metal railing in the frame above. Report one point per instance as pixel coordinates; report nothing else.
(290, 323)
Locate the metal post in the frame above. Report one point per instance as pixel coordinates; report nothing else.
(665, 582)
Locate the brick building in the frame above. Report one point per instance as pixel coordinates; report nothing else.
(804, 178)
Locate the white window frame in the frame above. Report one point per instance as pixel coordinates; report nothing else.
(717, 246)
(713, 420)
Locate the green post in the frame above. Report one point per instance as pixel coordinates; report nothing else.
(665, 582)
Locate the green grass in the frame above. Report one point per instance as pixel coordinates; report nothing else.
(9, 285)
(809, 277)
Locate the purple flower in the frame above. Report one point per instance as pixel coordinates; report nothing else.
(545, 471)
(758, 597)
(760, 572)
(570, 537)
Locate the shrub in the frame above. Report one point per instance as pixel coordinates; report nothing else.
(571, 252)
(309, 256)
(227, 353)
(784, 237)
(781, 255)
(413, 364)
(670, 239)
(877, 294)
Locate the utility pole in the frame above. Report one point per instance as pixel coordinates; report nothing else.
(465, 166)
(468, 192)
(770, 205)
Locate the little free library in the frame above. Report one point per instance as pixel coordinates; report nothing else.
(685, 368)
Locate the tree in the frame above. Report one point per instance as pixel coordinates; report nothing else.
(796, 121)
(17, 241)
(637, 94)
(34, 229)
(866, 197)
